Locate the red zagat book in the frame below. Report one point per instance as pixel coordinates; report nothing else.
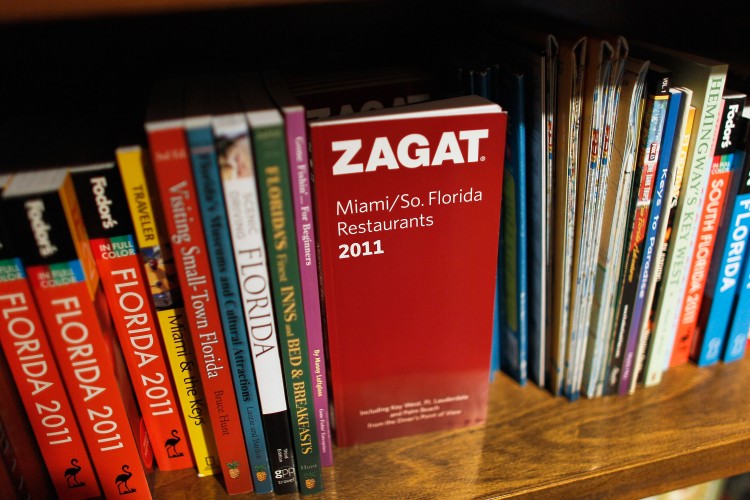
(174, 179)
(40, 387)
(44, 217)
(408, 216)
(106, 216)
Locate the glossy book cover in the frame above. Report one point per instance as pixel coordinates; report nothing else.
(408, 213)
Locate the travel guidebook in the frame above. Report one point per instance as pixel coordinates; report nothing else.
(45, 219)
(408, 219)
(36, 375)
(105, 213)
(174, 182)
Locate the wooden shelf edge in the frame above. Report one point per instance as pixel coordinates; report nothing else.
(15, 11)
(691, 428)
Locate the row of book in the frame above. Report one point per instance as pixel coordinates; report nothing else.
(278, 249)
(622, 250)
(165, 308)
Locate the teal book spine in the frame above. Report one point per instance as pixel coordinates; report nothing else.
(213, 213)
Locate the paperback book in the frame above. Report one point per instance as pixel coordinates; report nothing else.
(629, 304)
(706, 78)
(724, 277)
(45, 218)
(206, 159)
(299, 175)
(170, 161)
(720, 177)
(665, 186)
(649, 372)
(240, 191)
(412, 267)
(512, 270)
(36, 376)
(164, 292)
(23, 473)
(105, 213)
(268, 139)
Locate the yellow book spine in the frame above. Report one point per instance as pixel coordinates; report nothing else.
(187, 383)
(164, 288)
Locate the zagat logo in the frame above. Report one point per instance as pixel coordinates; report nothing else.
(412, 151)
(35, 214)
(102, 202)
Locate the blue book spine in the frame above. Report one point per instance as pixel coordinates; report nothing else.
(213, 214)
(512, 269)
(624, 346)
(646, 274)
(738, 332)
(724, 275)
(739, 325)
(495, 356)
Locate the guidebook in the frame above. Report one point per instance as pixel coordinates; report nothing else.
(408, 214)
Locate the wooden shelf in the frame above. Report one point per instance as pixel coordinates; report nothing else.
(42, 10)
(692, 428)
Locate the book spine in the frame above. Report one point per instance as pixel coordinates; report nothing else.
(164, 292)
(213, 212)
(513, 318)
(623, 346)
(721, 294)
(713, 205)
(244, 218)
(708, 100)
(649, 213)
(658, 340)
(70, 306)
(105, 213)
(721, 283)
(281, 242)
(299, 170)
(661, 210)
(175, 185)
(737, 337)
(40, 387)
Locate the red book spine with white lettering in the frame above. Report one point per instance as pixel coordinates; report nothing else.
(104, 208)
(40, 387)
(44, 218)
(713, 205)
(174, 181)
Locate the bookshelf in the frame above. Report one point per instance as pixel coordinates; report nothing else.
(691, 428)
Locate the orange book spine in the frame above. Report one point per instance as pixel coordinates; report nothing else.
(41, 389)
(106, 216)
(62, 275)
(33, 380)
(719, 178)
(175, 186)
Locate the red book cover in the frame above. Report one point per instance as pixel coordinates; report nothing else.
(173, 173)
(710, 217)
(32, 366)
(106, 216)
(27, 469)
(45, 220)
(408, 214)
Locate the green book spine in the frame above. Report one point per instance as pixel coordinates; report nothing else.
(278, 224)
